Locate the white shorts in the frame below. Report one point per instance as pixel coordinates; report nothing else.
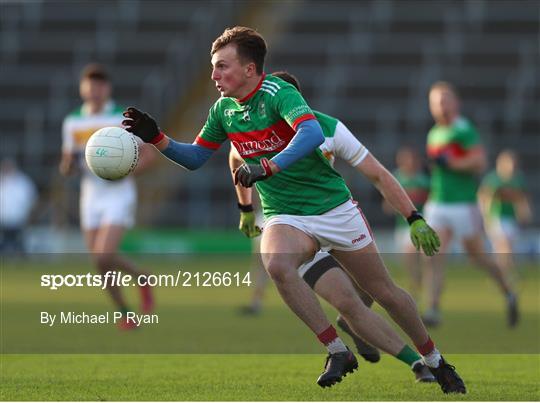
(463, 219)
(503, 227)
(342, 228)
(108, 206)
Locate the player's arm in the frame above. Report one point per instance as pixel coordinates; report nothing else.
(290, 106)
(474, 161)
(147, 157)
(308, 137)
(422, 235)
(485, 196)
(189, 156)
(348, 147)
(387, 185)
(523, 208)
(243, 194)
(68, 161)
(247, 216)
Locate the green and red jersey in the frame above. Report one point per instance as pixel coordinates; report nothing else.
(504, 193)
(456, 140)
(260, 126)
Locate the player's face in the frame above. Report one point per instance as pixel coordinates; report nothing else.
(229, 73)
(444, 106)
(95, 92)
(506, 165)
(406, 161)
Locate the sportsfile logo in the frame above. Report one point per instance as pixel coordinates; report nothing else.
(246, 148)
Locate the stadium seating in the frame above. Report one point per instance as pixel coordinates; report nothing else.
(369, 63)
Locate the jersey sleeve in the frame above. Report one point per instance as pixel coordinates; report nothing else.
(347, 147)
(212, 135)
(68, 143)
(469, 137)
(490, 181)
(292, 107)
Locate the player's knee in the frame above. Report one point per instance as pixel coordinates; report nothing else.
(388, 297)
(279, 269)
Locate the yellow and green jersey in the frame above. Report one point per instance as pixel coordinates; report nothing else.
(77, 128)
(447, 185)
(260, 126)
(504, 194)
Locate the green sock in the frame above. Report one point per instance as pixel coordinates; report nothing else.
(408, 355)
(124, 310)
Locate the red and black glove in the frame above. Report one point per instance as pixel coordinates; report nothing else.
(142, 125)
(248, 174)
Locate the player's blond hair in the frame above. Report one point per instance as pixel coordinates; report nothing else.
(250, 45)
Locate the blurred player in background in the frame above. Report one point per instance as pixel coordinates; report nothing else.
(505, 206)
(415, 181)
(250, 225)
(107, 208)
(453, 146)
(324, 274)
(17, 198)
(305, 201)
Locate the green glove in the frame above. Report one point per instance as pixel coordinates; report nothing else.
(247, 224)
(422, 235)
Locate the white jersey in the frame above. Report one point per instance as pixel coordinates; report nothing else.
(97, 193)
(339, 141)
(345, 146)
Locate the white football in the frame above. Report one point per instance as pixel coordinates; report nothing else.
(112, 153)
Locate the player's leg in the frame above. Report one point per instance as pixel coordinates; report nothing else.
(312, 272)
(260, 280)
(411, 260)
(440, 216)
(413, 265)
(367, 269)
(335, 286)
(284, 248)
(366, 350)
(475, 248)
(434, 276)
(502, 233)
(104, 252)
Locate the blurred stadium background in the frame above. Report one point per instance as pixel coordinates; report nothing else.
(370, 63)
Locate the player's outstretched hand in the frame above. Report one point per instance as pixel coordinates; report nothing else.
(247, 224)
(142, 125)
(424, 237)
(247, 174)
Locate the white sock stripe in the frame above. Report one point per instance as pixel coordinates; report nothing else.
(336, 346)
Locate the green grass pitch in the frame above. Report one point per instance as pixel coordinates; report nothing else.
(203, 350)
